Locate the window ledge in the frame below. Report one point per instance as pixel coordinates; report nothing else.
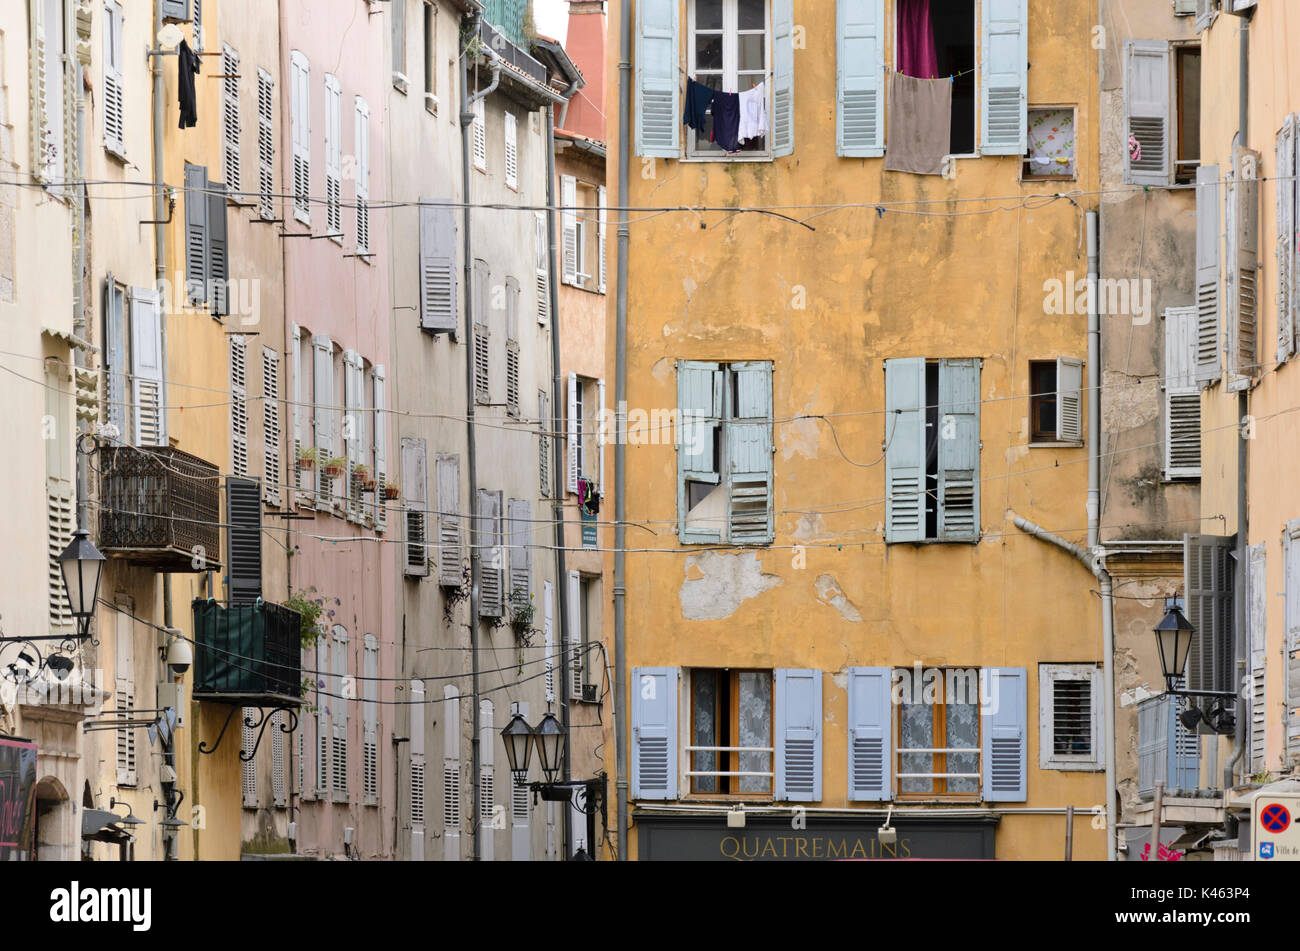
(727, 159)
(1069, 766)
(938, 541)
(1054, 444)
(114, 153)
(401, 83)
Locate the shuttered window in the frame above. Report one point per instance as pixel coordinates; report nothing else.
(451, 811)
(478, 134)
(519, 530)
(114, 96)
(932, 440)
(300, 133)
(654, 733)
(450, 556)
(1291, 644)
(871, 732)
(1069, 717)
(362, 148)
(489, 545)
(248, 767)
(860, 62)
(415, 489)
(230, 125)
(333, 159)
(323, 704)
(279, 764)
(239, 405)
(355, 440)
(116, 371)
(569, 228)
(1147, 102)
(300, 368)
(1003, 78)
(207, 259)
(658, 109)
(548, 638)
(50, 83)
(1003, 734)
(338, 706)
(244, 580)
(1208, 570)
(124, 695)
(148, 386)
(520, 812)
(1256, 578)
(370, 721)
(324, 414)
(544, 427)
(600, 237)
(419, 757)
(271, 470)
(724, 453)
(541, 246)
(379, 429)
(1182, 403)
(1288, 236)
(482, 334)
(512, 150)
(1241, 255)
(487, 802)
(438, 312)
(397, 10)
(797, 715)
(265, 145)
(575, 624)
(512, 347)
(61, 515)
(1207, 273)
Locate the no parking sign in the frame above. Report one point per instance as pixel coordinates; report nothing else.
(1277, 837)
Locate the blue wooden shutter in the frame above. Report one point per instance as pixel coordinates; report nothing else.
(654, 733)
(749, 456)
(1004, 729)
(1004, 64)
(798, 718)
(1207, 273)
(860, 62)
(959, 450)
(699, 409)
(437, 268)
(871, 731)
(782, 77)
(905, 449)
(658, 103)
(1146, 109)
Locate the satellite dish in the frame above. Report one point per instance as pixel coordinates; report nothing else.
(170, 36)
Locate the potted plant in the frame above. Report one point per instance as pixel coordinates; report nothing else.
(521, 611)
(363, 477)
(334, 467)
(307, 457)
(392, 491)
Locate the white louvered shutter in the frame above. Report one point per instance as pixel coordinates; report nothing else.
(61, 515)
(114, 120)
(438, 312)
(512, 347)
(148, 385)
(333, 158)
(1004, 731)
(482, 334)
(600, 236)
(905, 408)
(265, 145)
(362, 148)
(300, 132)
(124, 698)
(521, 838)
(569, 227)
(488, 543)
(548, 635)
(577, 652)
(574, 435)
(748, 441)
(279, 768)
(1004, 66)
(230, 125)
(1257, 634)
(782, 77)
(324, 412)
(860, 70)
(959, 457)
(1147, 112)
(239, 405)
(298, 409)
(323, 702)
(545, 424)
(418, 770)
(1242, 257)
(601, 435)
(1291, 643)
(271, 470)
(1182, 396)
(1207, 274)
(512, 150)
(415, 488)
(487, 801)
(339, 716)
(478, 132)
(541, 243)
(248, 768)
(1069, 400)
(379, 428)
(115, 394)
(450, 555)
(451, 811)
(352, 416)
(370, 721)
(1288, 281)
(520, 527)
(658, 58)
(871, 732)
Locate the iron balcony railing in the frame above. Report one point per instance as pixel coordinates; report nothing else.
(159, 507)
(500, 44)
(1167, 751)
(766, 751)
(247, 653)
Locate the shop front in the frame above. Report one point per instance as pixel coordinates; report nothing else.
(17, 798)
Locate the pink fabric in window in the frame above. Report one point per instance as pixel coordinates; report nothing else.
(916, 54)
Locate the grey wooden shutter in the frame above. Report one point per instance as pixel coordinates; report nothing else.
(782, 77)
(797, 715)
(175, 9)
(1004, 67)
(658, 90)
(488, 542)
(1243, 263)
(959, 450)
(450, 556)
(218, 266)
(1257, 634)
(1207, 581)
(244, 511)
(451, 727)
(1182, 396)
(1147, 112)
(905, 449)
(871, 732)
(1004, 731)
(114, 134)
(520, 536)
(437, 267)
(654, 733)
(1207, 274)
(859, 74)
(1069, 400)
(419, 759)
(148, 362)
(239, 405)
(415, 488)
(115, 352)
(1285, 184)
(1291, 643)
(749, 456)
(196, 233)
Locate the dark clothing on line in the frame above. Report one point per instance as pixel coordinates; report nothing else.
(726, 121)
(698, 99)
(187, 62)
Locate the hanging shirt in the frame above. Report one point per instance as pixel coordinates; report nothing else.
(187, 63)
(698, 99)
(726, 121)
(753, 113)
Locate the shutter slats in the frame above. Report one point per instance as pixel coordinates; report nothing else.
(1182, 395)
(244, 579)
(415, 488)
(860, 63)
(870, 734)
(361, 147)
(520, 535)
(782, 78)
(749, 457)
(1207, 566)
(1243, 261)
(1147, 111)
(437, 268)
(1003, 733)
(798, 722)
(450, 556)
(230, 126)
(905, 449)
(654, 733)
(1207, 273)
(114, 123)
(658, 109)
(1005, 61)
(265, 144)
(488, 543)
(271, 471)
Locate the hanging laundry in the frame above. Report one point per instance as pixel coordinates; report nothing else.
(920, 125)
(187, 63)
(753, 113)
(698, 99)
(726, 121)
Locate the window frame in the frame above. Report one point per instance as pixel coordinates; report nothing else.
(730, 759)
(939, 761)
(730, 79)
(1048, 676)
(1037, 397)
(1177, 50)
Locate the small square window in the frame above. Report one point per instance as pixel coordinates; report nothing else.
(1042, 401)
(1051, 154)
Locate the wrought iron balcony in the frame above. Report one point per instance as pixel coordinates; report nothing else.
(511, 52)
(247, 654)
(159, 507)
(1167, 751)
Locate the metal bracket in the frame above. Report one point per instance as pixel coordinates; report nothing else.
(260, 724)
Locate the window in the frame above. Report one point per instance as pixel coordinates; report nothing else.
(370, 721)
(438, 298)
(415, 491)
(333, 160)
(1051, 145)
(932, 450)
(585, 436)
(339, 714)
(450, 559)
(731, 709)
(542, 249)
(50, 115)
(1147, 106)
(947, 50)
(583, 607)
(937, 718)
(487, 781)
(724, 456)
(230, 126)
(488, 542)
(519, 534)
(114, 121)
(207, 260)
(1187, 62)
(1208, 567)
(133, 365)
(1055, 401)
(728, 52)
(1182, 403)
(379, 450)
(512, 347)
(325, 415)
(570, 235)
(1069, 701)
(431, 57)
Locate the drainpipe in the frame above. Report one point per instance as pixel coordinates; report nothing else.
(475, 564)
(620, 449)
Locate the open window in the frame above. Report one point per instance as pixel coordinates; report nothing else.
(1187, 79)
(938, 41)
(1051, 155)
(729, 52)
(1055, 401)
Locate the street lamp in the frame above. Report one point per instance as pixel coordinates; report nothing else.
(549, 736)
(518, 737)
(1174, 638)
(81, 564)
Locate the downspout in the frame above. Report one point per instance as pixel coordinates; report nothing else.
(620, 449)
(475, 565)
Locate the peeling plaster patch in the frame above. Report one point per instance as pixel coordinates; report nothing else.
(1129, 405)
(689, 287)
(829, 592)
(810, 528)
(693, 571)
(1016, 453)
(726, 582)
(801, 436)
(662, 369)
(841, 679)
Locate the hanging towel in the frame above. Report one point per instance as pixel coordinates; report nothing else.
(698, 99)
(753, 113)
(920, 125)
(187, 64)
(726, 121)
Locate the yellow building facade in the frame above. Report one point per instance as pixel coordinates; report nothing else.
(830, 432)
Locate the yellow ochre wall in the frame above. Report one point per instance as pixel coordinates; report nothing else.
(951, 279)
